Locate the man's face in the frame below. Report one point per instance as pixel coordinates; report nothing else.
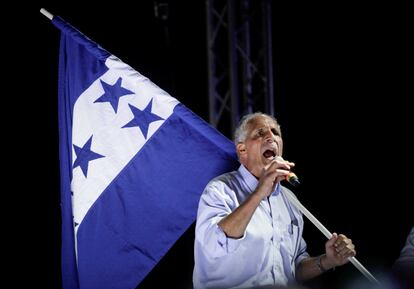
(262, 144)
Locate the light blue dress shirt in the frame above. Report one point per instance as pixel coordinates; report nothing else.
(268, 252)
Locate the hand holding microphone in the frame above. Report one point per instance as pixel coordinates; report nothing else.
(274, 172)
(291, 177)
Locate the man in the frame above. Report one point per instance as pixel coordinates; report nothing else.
(247, 233)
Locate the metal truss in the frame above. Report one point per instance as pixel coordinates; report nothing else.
(239, 47)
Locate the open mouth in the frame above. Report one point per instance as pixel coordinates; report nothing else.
(269, 154)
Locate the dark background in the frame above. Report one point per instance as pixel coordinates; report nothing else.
(342, 96)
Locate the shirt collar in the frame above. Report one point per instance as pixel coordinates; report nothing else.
(252, 182)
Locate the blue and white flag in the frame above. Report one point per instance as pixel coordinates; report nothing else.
(134, 162)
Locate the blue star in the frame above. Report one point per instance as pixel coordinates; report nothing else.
(142, 118)
(113, 93)
(84, 155)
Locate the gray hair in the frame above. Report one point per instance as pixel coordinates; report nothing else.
(240, 132)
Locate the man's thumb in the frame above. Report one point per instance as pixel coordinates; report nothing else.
(332, 240)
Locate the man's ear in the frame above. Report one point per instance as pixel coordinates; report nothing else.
(241, 149)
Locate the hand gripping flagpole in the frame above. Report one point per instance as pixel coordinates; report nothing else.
(327, 234)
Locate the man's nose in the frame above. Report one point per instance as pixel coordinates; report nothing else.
(270, 137)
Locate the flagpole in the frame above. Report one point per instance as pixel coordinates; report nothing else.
(328, 234)
(46, 13)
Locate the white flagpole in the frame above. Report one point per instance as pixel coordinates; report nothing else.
(327, 234)
(46, 13)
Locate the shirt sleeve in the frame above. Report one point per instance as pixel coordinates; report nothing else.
(302, 254)
(215, 203)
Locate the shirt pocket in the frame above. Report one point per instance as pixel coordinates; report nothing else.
(293, 238)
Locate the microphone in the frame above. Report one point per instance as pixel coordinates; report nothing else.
(291, 177)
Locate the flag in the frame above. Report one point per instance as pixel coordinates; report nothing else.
(133, 163)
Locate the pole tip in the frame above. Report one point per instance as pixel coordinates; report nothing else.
(46, 13)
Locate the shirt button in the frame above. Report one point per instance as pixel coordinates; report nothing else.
(277, 267)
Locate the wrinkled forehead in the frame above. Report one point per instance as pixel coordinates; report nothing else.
(262, 121)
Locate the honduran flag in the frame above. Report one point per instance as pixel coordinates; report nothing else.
(133, 163)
